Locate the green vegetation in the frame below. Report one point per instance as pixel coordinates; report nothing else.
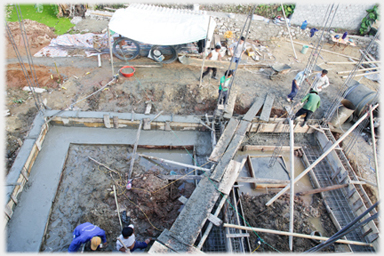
(47, 16)
(367, 22)
(288, 9)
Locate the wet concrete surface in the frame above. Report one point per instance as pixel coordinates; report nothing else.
(31, 214)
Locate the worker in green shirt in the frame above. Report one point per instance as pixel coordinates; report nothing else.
(313, 103)
(224, 86)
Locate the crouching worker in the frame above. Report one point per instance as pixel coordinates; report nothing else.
(128, 238)
(92, 236)
(313, 103)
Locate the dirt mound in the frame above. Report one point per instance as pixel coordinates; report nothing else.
(276, 217)
(38, 34)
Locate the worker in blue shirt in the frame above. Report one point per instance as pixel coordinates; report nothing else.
(88, 232)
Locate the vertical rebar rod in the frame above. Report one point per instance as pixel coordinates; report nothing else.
(292, 202)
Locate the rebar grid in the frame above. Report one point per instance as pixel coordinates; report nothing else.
(335, 199)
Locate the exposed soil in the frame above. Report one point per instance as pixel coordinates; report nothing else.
(86, 194)
(276, 217)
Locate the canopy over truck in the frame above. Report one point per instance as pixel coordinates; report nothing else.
(161, 26)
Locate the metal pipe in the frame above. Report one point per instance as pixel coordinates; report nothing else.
(321, 157)
(374, 150)
(292, 202)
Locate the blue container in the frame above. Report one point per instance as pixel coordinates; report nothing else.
(304, 25)
(344, 35)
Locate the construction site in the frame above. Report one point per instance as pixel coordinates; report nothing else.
(117, 125)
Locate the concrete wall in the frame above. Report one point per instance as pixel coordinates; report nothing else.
(348, 16)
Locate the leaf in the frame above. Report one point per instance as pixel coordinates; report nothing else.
(39, 8)
(279, 8)
(363, 25)
(289, 9)
(372, 16)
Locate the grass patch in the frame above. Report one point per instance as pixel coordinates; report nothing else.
(47, 17)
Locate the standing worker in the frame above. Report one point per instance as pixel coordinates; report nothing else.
(224, 86)
(88, 232)
(313, 103)
(296, 84)
(238, 46)
(321, 81)
(213, 55)
(128, 238)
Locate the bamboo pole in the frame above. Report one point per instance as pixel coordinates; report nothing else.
(117, 206)
(260, 180)
(289, 32)
(134, 149)
(125, 247)
(343, 55)
(367, 181)
(204, 57)
(110, 50)
(365, 74)
(175, 163)
(374, 150)
(336, 144)
(354, 63)
(210, 225)
(359, 70)
(292, 202)
(284, 233)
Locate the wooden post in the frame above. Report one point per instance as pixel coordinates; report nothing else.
(110, 50)
(292, 197)
(284, 233)
(290, 36)
(374, 151)
(117, 206)
(210, 225)
(206, 41)
(134, 149)
(336, 144)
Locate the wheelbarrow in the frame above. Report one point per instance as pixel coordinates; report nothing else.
(278, 70)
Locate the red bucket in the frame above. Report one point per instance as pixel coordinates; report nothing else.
(127, 71)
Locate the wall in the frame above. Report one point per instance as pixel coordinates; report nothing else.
(348, 16)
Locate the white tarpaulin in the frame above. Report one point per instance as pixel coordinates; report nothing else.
(161, 26)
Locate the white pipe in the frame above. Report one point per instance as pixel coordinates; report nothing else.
(292, 202)
(289, 32)
(374, 151)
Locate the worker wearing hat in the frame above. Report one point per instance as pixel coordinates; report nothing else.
(88, 232)
(313, 103)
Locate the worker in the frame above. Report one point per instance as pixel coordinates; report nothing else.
(321, 81)
(85, 233)
(239, 50)
(224, 86)
(213, 55)
(128, 238)
(313, 103)
(296, 84)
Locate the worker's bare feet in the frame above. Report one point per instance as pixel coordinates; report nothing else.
(147, 241)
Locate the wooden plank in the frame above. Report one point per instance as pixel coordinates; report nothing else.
(24, 173)
(8, 211)
(224, 140)
(116, 122)
(169, 240)
(214, 63)
(215, 220)
(227, 157)
(268, 103)
(183, 199)
(107, 122)
(158, 248)
(243, 127)
(255, 108)
(260, 180)
(147, 124)
(230, 176)
(318, 190)
(230, 105)
(237, 235)
(180, 177)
